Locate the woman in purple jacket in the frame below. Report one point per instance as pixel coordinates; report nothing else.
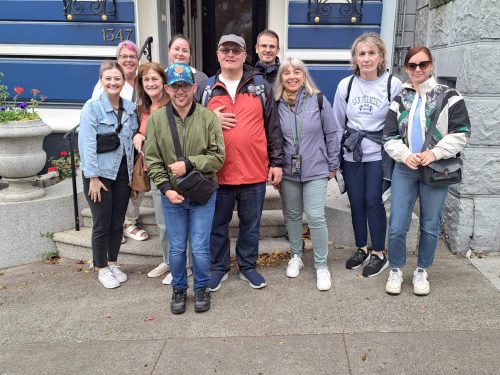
(311, 148)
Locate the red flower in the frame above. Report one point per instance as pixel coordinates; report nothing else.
(18, 90)
(35, 92)
(63, 154)
(52, 169)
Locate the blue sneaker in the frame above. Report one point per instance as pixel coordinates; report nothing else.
(216, 279)
(254, 278)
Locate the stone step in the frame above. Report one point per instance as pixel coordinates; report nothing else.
(272, 201)
(272, 223)
(77, 245)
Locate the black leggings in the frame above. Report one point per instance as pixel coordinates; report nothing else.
(108, 216)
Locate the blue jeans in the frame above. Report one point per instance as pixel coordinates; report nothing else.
(250, 200)
(405, 188)
(309, 196)
(363, 181)
(189, 220)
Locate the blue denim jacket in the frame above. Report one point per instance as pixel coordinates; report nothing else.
(99, 117)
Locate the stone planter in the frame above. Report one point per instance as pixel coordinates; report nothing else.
(21, 158)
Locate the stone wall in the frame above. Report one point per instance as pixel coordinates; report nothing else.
(464, 37)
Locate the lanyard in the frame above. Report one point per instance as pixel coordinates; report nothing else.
(298, 128)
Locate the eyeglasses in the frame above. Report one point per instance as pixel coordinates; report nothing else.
(128, 57)
(268, 46)
(183, 87)
(235, 51)
(422, 65)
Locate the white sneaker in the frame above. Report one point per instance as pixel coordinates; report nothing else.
(168, 279)
(294, 266)
(421, 286)
(117, 273)
(159, 270)
(393, 285)
(324, 280)
(107, 279)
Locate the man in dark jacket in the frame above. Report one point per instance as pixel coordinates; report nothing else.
(254, 154)
(268, 47)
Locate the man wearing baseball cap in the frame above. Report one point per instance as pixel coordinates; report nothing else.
(254, 152)
(202, 146)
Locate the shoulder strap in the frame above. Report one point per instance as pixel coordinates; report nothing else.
(207, 91)
(437, 112)
(319, 96)
(349, 86)
(173, 130)
(389, 82)
(349, 89)
(258, 81)
(119, 116)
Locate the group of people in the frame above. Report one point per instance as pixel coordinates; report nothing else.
(249, 126)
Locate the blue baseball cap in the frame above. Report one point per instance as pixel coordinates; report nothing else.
(179, 72)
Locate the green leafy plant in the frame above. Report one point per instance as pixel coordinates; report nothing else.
(18, 111)
(49, 235)
(62, 164)
(51, 257)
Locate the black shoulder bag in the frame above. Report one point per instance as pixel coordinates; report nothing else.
(193, 185)
(444, 171)
(107, 142)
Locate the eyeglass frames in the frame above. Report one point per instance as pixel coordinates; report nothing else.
(422, 65)
(183, 87)
(235, 51)
(270, 46)
(128, 57)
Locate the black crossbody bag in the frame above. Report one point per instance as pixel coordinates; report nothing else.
(193, 185)
(444, 171)
(107, 142)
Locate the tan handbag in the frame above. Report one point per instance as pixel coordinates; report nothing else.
(140, 179)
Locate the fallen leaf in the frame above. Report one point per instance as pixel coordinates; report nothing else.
(80, 262)
(364, 357)
(150, 317)
(3, 287)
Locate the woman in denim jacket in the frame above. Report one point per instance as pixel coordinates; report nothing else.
(106, 175)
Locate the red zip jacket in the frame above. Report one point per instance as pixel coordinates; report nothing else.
(256, 142)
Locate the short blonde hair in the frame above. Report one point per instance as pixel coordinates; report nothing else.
(297, 64)
(373, 40)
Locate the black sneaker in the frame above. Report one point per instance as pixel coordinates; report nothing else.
(202, 300)
(375, 266)
(178, 304)
(357, 259)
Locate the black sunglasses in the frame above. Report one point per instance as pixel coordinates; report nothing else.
(422, 65)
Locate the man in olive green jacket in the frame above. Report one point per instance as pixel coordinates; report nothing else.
(202, 144)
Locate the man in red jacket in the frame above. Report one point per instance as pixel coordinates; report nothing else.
(254, 154)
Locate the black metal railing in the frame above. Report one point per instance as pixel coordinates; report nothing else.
(146, 48)
(70, 137)
(351, 9)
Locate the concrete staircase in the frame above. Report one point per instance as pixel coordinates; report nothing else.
(77, 245)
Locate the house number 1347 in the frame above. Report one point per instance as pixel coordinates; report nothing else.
(110, 35)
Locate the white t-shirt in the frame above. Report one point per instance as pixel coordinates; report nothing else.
(367, 110)
(231, 86)
(126, 93)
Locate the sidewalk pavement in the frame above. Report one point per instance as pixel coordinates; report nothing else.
(57, 319)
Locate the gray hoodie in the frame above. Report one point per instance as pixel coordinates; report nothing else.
(318, 139)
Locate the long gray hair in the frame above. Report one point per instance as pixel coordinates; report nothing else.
(296, 64)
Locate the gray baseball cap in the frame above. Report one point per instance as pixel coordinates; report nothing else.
(231, 38)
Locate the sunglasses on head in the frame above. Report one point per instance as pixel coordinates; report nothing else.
(422, 65)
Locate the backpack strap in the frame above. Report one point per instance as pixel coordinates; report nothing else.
(349, 89)
(389, 81)
(260, 90)
(207, 91)
(349, 86)
(319, 96)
